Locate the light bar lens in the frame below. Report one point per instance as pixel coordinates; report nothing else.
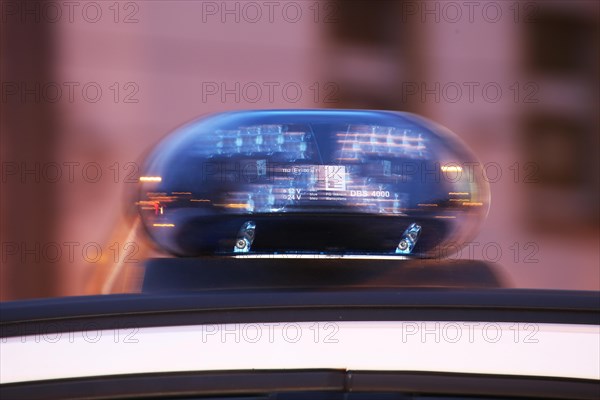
(311, 181)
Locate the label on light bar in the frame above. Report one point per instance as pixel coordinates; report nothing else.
(335, 176)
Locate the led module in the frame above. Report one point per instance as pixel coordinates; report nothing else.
(322, 182)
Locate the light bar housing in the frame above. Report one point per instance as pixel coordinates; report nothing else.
(324, 182)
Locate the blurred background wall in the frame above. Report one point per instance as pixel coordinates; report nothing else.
(88, 86)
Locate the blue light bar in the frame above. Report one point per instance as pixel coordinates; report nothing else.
(320, 182)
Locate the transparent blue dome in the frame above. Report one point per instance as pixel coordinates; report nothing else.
(348, 182)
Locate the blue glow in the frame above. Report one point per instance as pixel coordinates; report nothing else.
(311, 181)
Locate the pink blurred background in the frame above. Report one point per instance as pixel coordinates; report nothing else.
(88, 86)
